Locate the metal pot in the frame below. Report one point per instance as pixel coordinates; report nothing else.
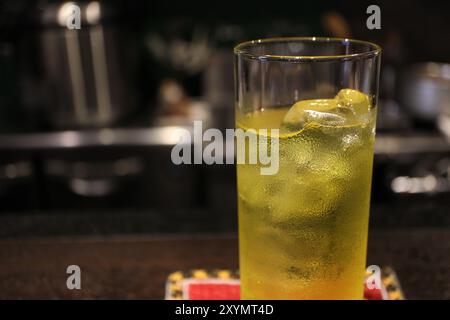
(425, 90)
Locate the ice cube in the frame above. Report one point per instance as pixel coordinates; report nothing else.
(320, 111)
(304, 200)
(296, 113)
(353, 100)
(330, 118)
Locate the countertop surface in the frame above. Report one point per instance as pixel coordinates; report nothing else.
(129, 267)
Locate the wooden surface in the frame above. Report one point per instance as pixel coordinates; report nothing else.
(137, 266)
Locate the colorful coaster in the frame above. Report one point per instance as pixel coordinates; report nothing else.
(201, 284)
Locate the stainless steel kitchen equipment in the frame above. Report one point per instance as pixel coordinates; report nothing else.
(425, 90)
(86, 70)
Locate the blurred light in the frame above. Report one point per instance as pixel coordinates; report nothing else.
(70, 139)
(400, 184)
(106, 136)
(177, 135)
(443, 123)
(428, 183)
(92, 188)
(93, 12)
(65, 12)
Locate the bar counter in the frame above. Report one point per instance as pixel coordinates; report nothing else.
(136, 266)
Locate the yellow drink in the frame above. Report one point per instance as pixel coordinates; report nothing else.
(303, 231)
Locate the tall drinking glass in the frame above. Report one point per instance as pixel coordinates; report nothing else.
(303, 230)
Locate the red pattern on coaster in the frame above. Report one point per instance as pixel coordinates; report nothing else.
(213, 291)
(208, 290)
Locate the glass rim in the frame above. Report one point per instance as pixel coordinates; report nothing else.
(242, 49)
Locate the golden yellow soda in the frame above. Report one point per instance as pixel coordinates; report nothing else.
(303, 231)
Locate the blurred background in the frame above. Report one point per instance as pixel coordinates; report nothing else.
(86, 115)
